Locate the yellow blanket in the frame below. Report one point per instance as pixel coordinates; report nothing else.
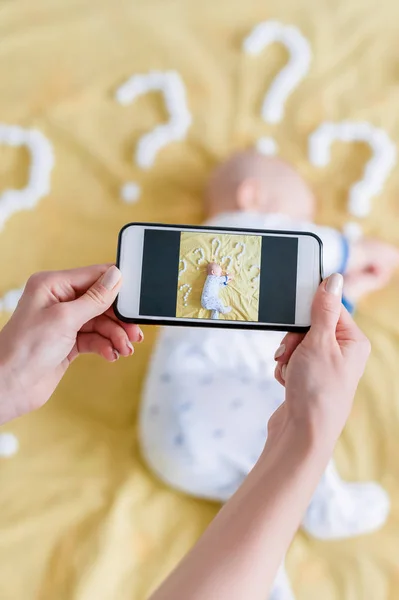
(81, 518)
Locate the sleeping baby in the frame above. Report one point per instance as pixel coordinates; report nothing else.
(210, 294)
(210, 392)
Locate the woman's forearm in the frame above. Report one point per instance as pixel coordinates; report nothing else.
(239, 554)
(7, 393)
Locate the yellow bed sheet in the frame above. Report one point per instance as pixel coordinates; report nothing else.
(238, 255)
(81, 518)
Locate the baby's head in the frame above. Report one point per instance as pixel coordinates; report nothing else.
(214, 269)
(251, 182)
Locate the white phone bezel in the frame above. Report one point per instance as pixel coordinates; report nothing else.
(131, 259)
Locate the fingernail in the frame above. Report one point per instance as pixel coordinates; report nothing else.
(111, 278)
(280, 351)
(283, 371)
(334, 284)
(116, 355)
(130, 346)
(141, 336)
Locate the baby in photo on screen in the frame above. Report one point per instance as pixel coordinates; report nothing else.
(210, 294)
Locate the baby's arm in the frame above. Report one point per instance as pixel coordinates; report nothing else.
(223, 280)
(371, 265)
(367, 264)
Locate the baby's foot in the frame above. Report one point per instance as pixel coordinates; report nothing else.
(227, 309)
(341, 509)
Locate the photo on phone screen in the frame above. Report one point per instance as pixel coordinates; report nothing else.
(219, 276)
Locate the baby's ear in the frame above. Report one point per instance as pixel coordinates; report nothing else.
(248, 195)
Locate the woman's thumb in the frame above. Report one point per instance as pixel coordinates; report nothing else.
(99, 297)
(326, 307)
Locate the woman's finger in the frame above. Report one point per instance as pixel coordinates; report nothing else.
(94, 343)
(113, 331)
(82, 278)
(97, 299)
(133, 331)
(289, 343)
(350, 338)
(278, 374)
(326, 307)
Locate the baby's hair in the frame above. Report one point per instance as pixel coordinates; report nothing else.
(211, 265)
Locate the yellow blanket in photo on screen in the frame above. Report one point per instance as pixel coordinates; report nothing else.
(238, 255)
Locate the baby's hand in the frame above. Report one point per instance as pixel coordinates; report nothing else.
(230, 277)
(370, 267)
(358, 285)
(369, 255)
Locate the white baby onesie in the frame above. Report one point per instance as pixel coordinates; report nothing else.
(208, 396)
(210, 295)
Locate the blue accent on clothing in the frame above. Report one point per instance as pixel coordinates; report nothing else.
(218, 433)
(237, 403)
(348, 305)
(345, 255)
(179, 440)
(227, 280)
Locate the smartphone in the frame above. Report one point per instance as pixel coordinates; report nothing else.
(217, 277)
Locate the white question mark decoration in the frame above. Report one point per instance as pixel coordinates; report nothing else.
(377, 169)
(8, 445)
(42, 162)
(288, 79)
(171, 85)
(12, 201)
(352, 231)
(8, 303)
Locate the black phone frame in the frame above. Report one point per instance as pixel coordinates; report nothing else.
(222, 324)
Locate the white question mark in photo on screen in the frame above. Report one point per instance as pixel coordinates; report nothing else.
(184, 268)
(171, 85)
(256, 278)
(229, 259)
(217, 247)
(201, 256)
(377, 169)
(262, 35)
(243, 249)
(187, 293)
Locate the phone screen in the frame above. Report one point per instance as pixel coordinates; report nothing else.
(216, 275)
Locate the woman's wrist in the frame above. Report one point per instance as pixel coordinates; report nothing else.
(6, 394)
(307, 429)
(298, 441)
(9, 388)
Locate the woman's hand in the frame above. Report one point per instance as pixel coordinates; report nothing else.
(60, 315)
(241, 551)
(321, 370)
